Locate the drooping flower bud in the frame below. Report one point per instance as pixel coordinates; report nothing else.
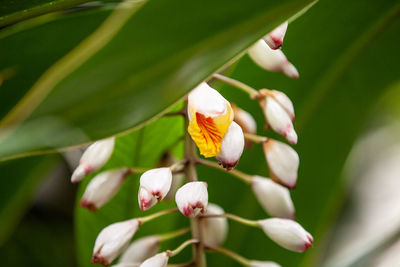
(140, 250)
(274, 198)
(287, 233)
(210, 115)
(154, 186)
(112, 240)
(272, 60)
(95, 156)
(231, 147)
(279, 113)
(214, 230)
(103, 187)
(263, 264)
(245, 121)
(274, 39)
(159, 260)
(283, 162)
(192, 199)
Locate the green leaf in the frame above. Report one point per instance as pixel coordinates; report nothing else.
(140, 62)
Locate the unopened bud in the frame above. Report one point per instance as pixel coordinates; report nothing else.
(264, 264)
(103, 187)
(246, 122)
(282, 100)
(95, 156)
(140, 250)
(231, 147)
(272, 60)
(274, 39)
(287, 233)
(159, 260)
(283, 162)
(274, 198)
(112, 240)
(192, 199)
(154, 186)
(214, 230)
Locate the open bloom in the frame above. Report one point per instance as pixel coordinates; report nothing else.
(103, 187)
(159, 260)
(272, 60)
(231, 147)
(154, 186)
(95, 156)
(245, 121)
(263, 264)
(210, 115)
(214, 229)
(192, 199)
(112, 240)
(279, 113)
(287, 233)
(140, 250)
(283, 162)
(274, 39)
(273, 197)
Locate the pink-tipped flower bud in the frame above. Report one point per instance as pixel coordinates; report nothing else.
(274, 39)
(287, 233)
(264, 264)
(95, 156)
(231, 147)
(159, 260)
(103, 187)
(154, 186)
(273, 197)
(214, 230)
(140, 250)
(112, 240)
(283, 162)
(192, 199)
(245, 121)
(272, 60)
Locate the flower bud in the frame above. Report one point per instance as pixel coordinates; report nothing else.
(283, 162)
(95, 156)
(140, 250)
(103, 187)
(263, 264)
(154, 186)
(274, 39)
(159, 260)
(231, 147)
(287, 233)
(246, 122)
(282, 100)
(214, 230)
(192, 199)
(274, 198)
(112, 240)
(272, 60)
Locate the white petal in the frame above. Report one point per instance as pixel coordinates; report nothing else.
(287, 233)
(146, 199)
(214, 230)
(264, 264)
(231, 147)
(275, 38)
(245, 120)
(192, 199)
(283, 162)
(207, 101)
(284, 101)
(159, 260)
(140, 250)
(274, 198)
(156, 182)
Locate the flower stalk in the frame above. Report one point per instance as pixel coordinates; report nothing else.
(176, 251)
(235, 83)
(153, 216)
(255, 138)
(172, 235)
(238, 258)
(234, 218)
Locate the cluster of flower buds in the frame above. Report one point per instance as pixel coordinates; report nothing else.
(221, 130)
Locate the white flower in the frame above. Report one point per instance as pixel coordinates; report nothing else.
(159, 260)
(272, 60)
(140, 250)
(287, 233)
(214, 230)
(275, 38)
(103, 187)
(95, 156)
(231, 147)
(263, 264)
(112, 240)
(273, 197)
(210, 115)
(283, 162)
(192, 199)
(245, 120)
(154, 186)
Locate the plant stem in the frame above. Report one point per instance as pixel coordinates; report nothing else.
(171, 235)
(242, 86)
(234, 218)
(176, 251)
(138, 169)
(175, 167)
(231, 254)
(156, 215)
(241, 175)
(255, 138)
